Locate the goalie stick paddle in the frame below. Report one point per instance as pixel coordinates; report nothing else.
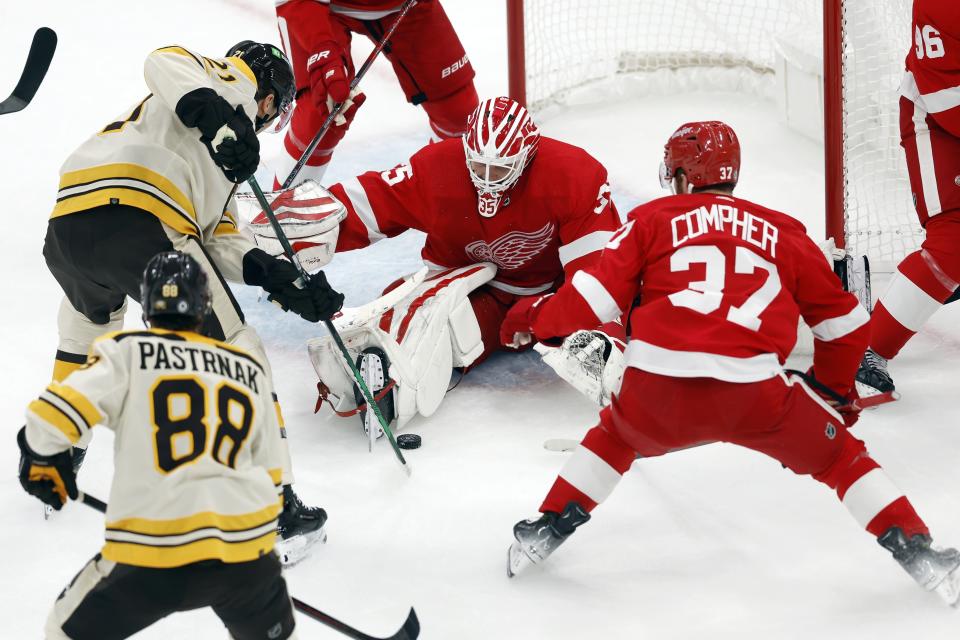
(288, 251)
(409, 631)
(338, 107)
(38, 61)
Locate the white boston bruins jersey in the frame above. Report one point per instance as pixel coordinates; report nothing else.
(148, 159)
(197, 448)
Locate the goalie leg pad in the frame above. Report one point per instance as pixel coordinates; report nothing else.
(423, 335)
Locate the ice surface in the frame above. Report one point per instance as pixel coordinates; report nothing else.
(708, 543)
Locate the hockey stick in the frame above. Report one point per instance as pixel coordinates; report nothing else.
(288, 250)
(858, 404)
(409, 631)
(338, 107)
(38, 61)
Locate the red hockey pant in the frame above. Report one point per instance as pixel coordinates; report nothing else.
(654, 414)
(428, 60)
(925, 278)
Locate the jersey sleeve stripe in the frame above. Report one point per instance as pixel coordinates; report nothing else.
(590, 474)
(585, 245)
(78, 402)
(596, 295)
(276, 475)
(55, 417)
(834, 328)
(936, 102)
(907, 303)
(361, 206)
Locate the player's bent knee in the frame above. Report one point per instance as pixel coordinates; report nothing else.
(448, 115)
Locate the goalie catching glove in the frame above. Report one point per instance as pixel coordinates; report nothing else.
(590, 361)
(310, 218)
(49, 478)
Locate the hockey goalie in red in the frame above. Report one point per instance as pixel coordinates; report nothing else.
(507, 213)
(720, 282)
(427, 57)
(930, 136)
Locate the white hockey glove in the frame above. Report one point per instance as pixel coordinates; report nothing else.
(591, 361)
(309, 215)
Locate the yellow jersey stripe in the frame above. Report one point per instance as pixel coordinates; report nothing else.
(276, 475)
(56, 418)
(140, 555)
(78, 401)
(179, 51)
(134, 172)
(203, 520)
(118, 195)
(244, 69)
(225, 229)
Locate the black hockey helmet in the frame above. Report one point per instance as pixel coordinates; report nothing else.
(174, 292)
(273, 72)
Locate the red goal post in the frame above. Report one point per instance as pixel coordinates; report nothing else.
(853, 49)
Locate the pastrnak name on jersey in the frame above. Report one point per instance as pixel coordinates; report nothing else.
(188, 357)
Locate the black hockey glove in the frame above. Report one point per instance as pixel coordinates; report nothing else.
(226, 131)
(49, 478)
(314, 302)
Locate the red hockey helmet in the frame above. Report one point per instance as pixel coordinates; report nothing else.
(708, 153)
(500, 142)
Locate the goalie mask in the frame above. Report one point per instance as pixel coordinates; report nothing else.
(500, 143)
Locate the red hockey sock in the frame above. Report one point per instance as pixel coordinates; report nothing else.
(866, 491)
(592, 472)
(917, 290)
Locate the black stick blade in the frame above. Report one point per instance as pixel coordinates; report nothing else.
(38, 61)
(410, 629)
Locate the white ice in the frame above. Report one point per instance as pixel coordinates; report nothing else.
(713, 542)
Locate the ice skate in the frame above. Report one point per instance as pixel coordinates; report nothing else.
(537, 539)
(872, 376)
(933, 569)
(300, 527)
(374, 368)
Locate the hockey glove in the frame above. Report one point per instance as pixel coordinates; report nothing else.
(844, 405)
(314, 302)
(327, 68)
(226, 131)
(49, 478)
(516, 330)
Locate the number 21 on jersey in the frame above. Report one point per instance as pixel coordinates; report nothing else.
(706, 296)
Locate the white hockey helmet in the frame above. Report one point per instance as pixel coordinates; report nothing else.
(500, 142)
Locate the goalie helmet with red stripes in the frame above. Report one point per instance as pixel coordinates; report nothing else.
(708, 154)
(500, 142)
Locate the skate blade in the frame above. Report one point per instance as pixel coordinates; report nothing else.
(518, 560)
(294, 550)
(47, 512)
(949, 588)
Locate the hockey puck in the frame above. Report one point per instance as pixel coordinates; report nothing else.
(409, 441)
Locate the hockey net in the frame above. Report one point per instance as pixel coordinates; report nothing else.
(565, 52)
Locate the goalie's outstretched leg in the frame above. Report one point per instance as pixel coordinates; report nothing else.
(374, 368)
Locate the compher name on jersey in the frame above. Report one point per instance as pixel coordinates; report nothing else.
(728, 219)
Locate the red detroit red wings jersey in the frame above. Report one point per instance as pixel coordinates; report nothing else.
(556, 219)
(932, 80)
(721, 283)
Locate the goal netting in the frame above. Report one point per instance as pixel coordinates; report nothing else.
(576, 51)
